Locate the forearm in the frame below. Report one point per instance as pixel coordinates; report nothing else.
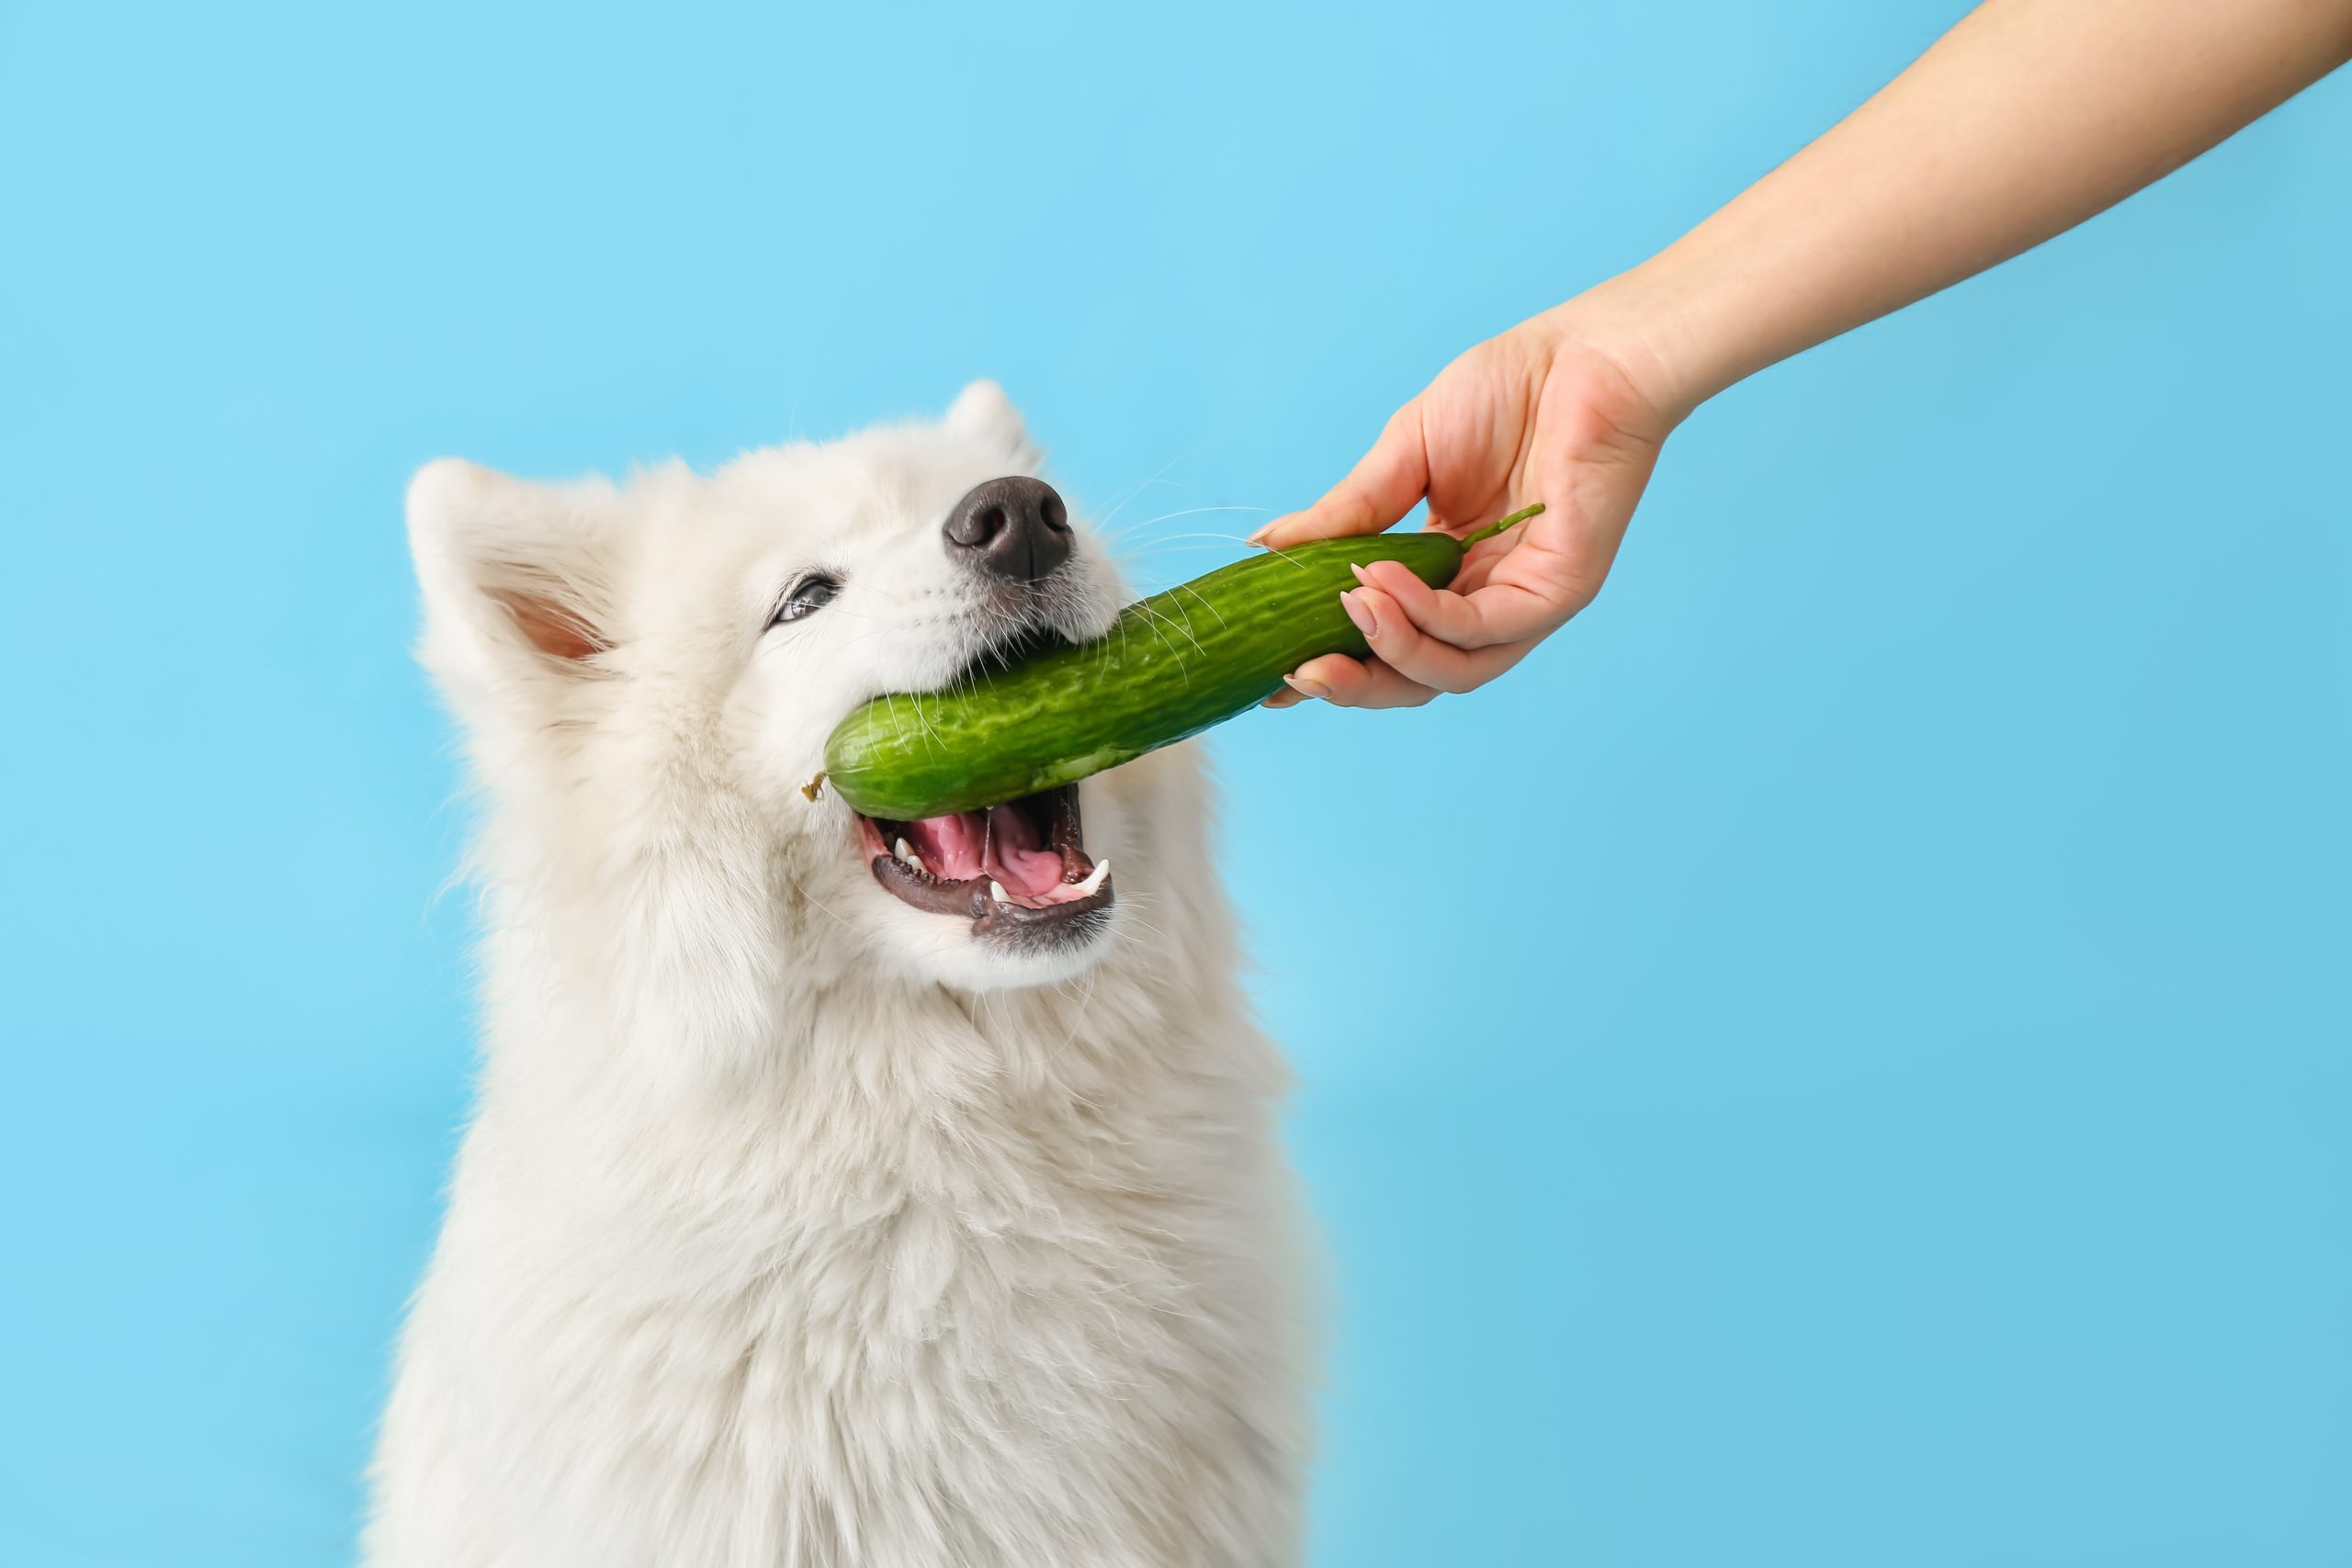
(2028, 118)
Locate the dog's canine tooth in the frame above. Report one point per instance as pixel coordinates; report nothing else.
(904, 852)
(996, 891)
(1093, 883)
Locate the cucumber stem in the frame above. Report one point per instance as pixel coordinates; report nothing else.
(1491, 529)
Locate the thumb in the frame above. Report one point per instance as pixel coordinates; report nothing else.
(1385, 483)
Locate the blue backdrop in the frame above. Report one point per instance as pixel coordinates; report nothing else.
(1842, 1061)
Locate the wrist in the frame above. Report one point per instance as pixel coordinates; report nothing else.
(1636, 323)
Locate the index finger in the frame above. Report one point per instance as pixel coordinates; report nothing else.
(1387, 482)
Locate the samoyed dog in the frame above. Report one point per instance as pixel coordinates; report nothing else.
(840, 1191)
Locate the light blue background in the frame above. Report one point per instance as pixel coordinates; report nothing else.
(1842, 1061)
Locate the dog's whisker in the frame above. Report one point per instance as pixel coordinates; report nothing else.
(1190, 511)
(1139, 487)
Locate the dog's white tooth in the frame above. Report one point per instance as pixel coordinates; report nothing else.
(996, 891)
(904, 850)
(1093, 882)
(916, 861)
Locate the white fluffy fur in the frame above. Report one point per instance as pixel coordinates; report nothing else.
(795, 1226)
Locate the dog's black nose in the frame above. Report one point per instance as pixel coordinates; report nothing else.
(1015, 529)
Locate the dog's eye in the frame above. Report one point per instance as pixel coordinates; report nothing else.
(808, 595)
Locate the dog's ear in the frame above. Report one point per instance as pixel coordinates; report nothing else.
(982, 413)
(518, 601)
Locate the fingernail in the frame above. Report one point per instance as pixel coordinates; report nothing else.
(1360, 613)
(1357, 566)
(1306, 687)
(1260, 536)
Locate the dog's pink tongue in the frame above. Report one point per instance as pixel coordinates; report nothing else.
(950, 846)
(999, 844)
(1016, 858)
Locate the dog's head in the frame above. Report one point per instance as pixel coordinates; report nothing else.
(650, 673)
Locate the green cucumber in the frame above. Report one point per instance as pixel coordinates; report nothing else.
(1171, 666)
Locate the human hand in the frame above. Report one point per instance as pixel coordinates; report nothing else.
(1543, 412)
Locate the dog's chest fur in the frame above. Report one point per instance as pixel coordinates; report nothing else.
(967, 1293)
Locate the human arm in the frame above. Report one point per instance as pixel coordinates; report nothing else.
(2027, 117)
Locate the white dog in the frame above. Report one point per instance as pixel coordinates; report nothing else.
(841, 1191)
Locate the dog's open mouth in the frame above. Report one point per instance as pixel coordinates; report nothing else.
(1019, 867)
